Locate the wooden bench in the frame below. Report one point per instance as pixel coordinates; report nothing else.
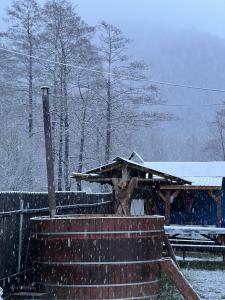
(210, 239)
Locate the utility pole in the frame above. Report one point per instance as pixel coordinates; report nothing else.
(49, 153)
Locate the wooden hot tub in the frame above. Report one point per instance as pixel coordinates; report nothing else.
(97, 256)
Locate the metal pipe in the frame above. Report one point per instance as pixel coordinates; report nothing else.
(49, 154)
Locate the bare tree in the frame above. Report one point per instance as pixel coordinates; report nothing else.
(216, 145)
(66, 38)
(22, 34)
(125, 88)
(88, 116)
(23, 18)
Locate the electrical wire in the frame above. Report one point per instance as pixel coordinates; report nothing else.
(142, 104)
(171, 84)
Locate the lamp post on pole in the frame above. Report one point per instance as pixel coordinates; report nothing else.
(48, 149)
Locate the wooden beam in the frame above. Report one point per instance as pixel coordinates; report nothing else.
(106, 168)
(189, 187)
(177, 278)
(84, 176)
(170, 249)
(100, 179)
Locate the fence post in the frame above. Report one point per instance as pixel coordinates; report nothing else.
(20, 236)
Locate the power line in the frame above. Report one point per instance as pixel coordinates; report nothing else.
(206, 89)
(37, 88)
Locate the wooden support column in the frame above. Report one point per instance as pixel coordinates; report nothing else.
(168, 197)
(123, 194)
(216, 196)
(150, 204)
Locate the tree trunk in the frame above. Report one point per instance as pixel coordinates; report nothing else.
(30, 117)
(54, 116)
(67, 136)
(108, 122)
(81, 150)
(66, 149)
(30, 110)
(30, 88)
(60, 162)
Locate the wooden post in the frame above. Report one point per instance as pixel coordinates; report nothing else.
(219, 211)
(166, 198)
(49, 154)
(167, 211)
(217, 199)
(20, 237)
(123, 194)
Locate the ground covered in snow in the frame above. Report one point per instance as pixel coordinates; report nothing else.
(210, 284)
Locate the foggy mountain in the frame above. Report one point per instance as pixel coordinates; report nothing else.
(93, 112)
(187, 57)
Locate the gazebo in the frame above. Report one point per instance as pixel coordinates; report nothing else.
(127, 177)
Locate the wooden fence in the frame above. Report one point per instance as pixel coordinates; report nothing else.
(16, 209)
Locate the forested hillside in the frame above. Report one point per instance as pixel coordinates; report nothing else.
(97, 90)
(105, 99)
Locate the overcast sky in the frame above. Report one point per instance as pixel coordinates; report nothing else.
(136, 17)
(204, 15)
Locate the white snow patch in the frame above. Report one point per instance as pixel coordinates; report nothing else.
(209, 284)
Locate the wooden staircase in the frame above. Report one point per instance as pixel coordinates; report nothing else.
(27, 292)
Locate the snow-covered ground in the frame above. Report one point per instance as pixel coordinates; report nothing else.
(209, 284)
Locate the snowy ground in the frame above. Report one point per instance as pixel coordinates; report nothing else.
(209, 284)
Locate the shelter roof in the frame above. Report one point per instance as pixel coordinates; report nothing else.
(117, 164)
(199, 173)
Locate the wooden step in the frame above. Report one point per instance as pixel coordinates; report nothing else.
(24, 288)
(28, 295)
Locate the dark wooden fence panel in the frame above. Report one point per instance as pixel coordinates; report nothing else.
(16, 209)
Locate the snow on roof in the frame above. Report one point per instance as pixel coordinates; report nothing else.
(199, 173)
(204, 181)
(191, 169)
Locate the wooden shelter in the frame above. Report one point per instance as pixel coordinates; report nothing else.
(165, 185)
(202, 200)
(126, 176)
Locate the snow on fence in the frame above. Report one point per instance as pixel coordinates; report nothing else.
(16, 209)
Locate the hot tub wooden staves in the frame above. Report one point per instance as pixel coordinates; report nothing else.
(98, 257)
